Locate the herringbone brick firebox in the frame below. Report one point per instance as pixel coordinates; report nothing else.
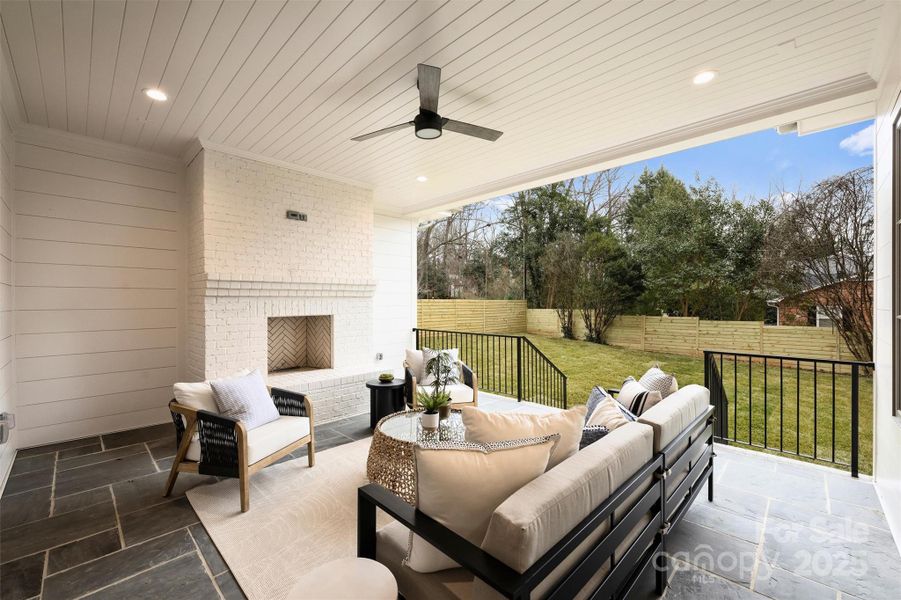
(300, 342)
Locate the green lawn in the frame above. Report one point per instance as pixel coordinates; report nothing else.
(586, 365)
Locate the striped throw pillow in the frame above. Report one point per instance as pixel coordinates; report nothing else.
(637, 398)
(246, 399)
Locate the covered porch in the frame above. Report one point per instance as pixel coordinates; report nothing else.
(86, 519)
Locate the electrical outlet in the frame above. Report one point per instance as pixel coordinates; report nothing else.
(296, 215)
(378, 356)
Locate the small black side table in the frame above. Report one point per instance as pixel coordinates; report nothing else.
(384, 399)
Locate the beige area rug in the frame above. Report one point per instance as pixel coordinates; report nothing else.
(299, 518)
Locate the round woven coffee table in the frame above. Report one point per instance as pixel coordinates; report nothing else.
(390, 463)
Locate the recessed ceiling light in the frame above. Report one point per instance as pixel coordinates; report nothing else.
(704, 77)
(422, 179)
(156, 94)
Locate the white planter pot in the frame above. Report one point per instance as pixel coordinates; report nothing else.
(429, 420)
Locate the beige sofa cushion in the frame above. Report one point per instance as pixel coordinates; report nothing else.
(484, 427)
(446, 474)
(538, 515)
(672, 415)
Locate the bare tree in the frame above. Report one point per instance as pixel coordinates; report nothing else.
(604, 194)
(827, 236)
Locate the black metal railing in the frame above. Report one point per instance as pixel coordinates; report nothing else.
(804, 407)
(510, 365)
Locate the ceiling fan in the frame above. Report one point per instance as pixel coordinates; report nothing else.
(428, 123)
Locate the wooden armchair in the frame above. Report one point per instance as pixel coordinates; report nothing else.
(462, 394)
(225, 448)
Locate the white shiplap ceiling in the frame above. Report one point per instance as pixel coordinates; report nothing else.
(295, 80)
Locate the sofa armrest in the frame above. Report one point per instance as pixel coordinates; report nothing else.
(481, 564)
(221, 439)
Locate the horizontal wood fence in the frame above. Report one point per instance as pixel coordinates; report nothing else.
(672, 335)
(483, 316)
(691, 336)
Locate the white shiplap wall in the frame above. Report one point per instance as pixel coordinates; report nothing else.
(394, 302)
(887, 469)
(97, 277)
(7, 196)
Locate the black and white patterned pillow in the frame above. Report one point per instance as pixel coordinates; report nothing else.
(246, 399)
(655, 379)
(591, 434)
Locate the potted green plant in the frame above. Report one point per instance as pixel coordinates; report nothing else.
(443, 370)
(432, 403)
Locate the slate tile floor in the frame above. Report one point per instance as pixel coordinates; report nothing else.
(87, 519)
(783, 529)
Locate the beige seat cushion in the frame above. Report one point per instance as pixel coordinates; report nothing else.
(391, 549)
(266, 439)
(346, 579)
(538, 515)
(483, 427)
(673, 414)
(445, 475)
(459, 392)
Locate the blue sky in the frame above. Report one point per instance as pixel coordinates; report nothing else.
(752, 165)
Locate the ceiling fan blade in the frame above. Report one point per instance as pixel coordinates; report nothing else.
(474, 130)
(373, 134)
(428, 82)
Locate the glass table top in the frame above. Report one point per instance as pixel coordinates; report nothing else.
(406, 427)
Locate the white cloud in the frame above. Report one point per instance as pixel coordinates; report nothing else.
(860, 143)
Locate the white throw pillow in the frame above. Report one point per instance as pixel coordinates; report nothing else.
(445, 472)
(428, 354)
(484, 427)
(655, 379)
(608, 414)
(246, 399)
(413, 358)
(637, 398)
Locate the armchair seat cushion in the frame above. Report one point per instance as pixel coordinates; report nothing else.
(265, 439)
(459, 392)
(275, 435)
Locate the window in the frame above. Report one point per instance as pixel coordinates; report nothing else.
(896, 266)
(823, 319)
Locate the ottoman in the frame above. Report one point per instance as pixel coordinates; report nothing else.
(347, 579)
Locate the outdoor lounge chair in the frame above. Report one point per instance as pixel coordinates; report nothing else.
(225, 448)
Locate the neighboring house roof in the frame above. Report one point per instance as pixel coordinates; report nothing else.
(775, 301)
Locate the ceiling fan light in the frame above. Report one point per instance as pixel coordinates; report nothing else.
(428, 125)
(427, 133)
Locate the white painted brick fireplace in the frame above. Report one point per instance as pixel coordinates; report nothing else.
(248, 263)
